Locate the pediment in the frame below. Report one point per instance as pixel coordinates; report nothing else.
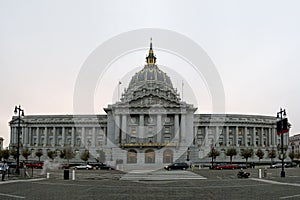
(153, 101)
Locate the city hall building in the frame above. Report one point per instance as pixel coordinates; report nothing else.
(149, 125)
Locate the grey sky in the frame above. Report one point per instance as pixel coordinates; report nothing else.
(254, 45)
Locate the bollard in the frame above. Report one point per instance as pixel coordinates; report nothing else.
(73, 175)
(265, 172)
(259, 173)
(48, 175)
(66, 174)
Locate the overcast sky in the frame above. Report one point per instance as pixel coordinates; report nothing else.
(253, 44)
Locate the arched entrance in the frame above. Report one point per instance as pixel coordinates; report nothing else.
(149, 156)
(132, 156)
(168, 156)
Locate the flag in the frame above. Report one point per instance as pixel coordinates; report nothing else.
(282, 126)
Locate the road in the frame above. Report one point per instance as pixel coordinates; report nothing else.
(112, 185)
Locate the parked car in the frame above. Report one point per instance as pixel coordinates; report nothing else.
(102, 166)
(83, 166)
(226, 166)
(276, 165)
(63, 166)
(290, 164)
(182, 166)
(34, 164)
(243, 166)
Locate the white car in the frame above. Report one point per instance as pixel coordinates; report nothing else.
(276, 165)
(83, 167)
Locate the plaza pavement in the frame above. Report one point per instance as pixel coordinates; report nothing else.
(175, 185)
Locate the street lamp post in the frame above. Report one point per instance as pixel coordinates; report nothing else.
(212, 156)
(280, 115)
(20, 113)
(188, 154)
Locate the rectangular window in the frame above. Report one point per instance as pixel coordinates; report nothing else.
(167, 129)
(133, 131)
(133, 139)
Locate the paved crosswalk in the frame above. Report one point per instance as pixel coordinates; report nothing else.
(140, 175)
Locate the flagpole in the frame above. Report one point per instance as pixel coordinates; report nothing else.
(182, 84)
(119, 90)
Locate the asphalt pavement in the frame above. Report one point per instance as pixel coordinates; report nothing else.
(209, 184)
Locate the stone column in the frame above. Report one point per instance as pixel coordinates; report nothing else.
(46, 136)
(141, 129)
(23, 136)
(236, 136)
(245, 136)
(54, 136)
(183, 129)
(158, 128)
(262, 139)
(83, 139)
(176, 127)
(94, 137)
(274, 138)
(195, 135)
(124, 128)
(217, 136)
(38, 139)
(206, 136)
(254, 136)
(63, 136)
(73, 142)
(271, 137)
(29, 136)
(227, 137)
(117, 129)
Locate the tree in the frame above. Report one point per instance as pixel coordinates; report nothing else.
(51, 154)
(246, 153)
(5, 154)
(231, 152)
(260, 154)
(292, 155)
(67, 153)
(85, 155)
(14, 153)
(213, 154)
(272, 155)
(39, 154)
(25, 153)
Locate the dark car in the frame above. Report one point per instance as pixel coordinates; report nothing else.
(102, 166)
(290, 164)
(182, 166)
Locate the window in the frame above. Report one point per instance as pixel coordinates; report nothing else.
(133, 140)
(133, 131)
(168, 156)
(167, 129)
(149, 156)
(131, 156)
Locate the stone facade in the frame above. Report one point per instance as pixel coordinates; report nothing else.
(295, 144)
(149, 125)
(1, 143)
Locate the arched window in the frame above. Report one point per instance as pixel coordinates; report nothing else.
(149, 156)
(132, 156)
(168, 156)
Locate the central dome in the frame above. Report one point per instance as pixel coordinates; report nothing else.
(150, 81)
